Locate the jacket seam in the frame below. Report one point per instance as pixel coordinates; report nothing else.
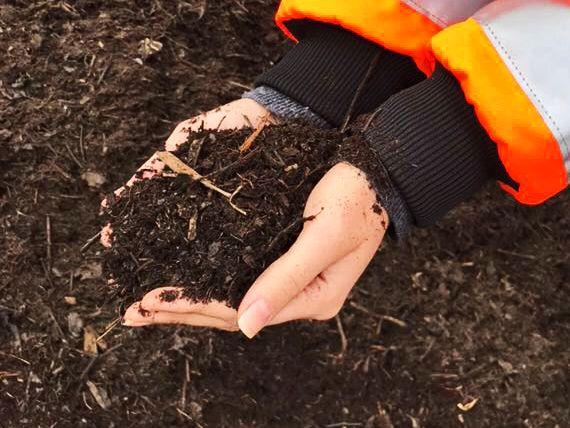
(428, 13)
(527, 84)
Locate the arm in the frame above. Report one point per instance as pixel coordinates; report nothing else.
(491, 110)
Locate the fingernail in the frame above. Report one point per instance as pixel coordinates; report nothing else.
(130, 323)
(254, 318)
(127, 322)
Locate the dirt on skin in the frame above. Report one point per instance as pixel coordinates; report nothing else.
(172, 230)
(483, 297)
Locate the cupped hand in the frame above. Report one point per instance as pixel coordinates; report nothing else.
(237, 114)
(311, 280)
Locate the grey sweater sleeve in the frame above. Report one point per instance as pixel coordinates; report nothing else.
(284, 107)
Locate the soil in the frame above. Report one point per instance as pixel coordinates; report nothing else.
(176, 231)
(476, 307)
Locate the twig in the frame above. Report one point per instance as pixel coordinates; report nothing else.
(47, 273)
(396, 321)
(429, 348)
(102, 76)
(110, 328)
(365, 310)
(234, 164)
(239, 85)
(185, 383)
(90, 242)
(92, 361)
(388, 318)
(48, 242)
(181, 168)
(359, 90)
(511, 253)
(249, 140)
(219, 124)
(344, 424)
(73, 157)
(58, 327)
(16, 357)
(343, 339)
(234, 206)
(187, 416)
(81, 146)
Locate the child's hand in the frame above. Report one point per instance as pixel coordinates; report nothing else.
(310, 281)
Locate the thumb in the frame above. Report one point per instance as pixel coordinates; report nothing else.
(286, 278)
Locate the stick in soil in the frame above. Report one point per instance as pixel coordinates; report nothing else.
(90, 242)
(185, 383)
(175, 164)
(110, 328)
(249, 140)
(48, 242)
(234, 164)
(343, 339)
(388, 318)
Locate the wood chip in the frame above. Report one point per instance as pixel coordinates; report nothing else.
(90, 340)
(468, 406)
(99, 394)
(192, 225)
(94, 179)
(70, 300)
(249, 140)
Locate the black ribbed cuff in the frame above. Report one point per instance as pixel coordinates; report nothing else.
(435, 151)
(324, 70)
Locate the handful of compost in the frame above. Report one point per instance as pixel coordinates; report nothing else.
(199, 224)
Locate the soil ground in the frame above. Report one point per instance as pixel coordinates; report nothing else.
(484, 295)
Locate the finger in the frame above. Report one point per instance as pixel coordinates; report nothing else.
(315, 249)
(238, 114)
(169, 299)
(324, 296)
(135, 317)
(180, 133)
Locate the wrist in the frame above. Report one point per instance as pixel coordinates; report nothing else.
(254, 111)
(285, 108)
(431, 144)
